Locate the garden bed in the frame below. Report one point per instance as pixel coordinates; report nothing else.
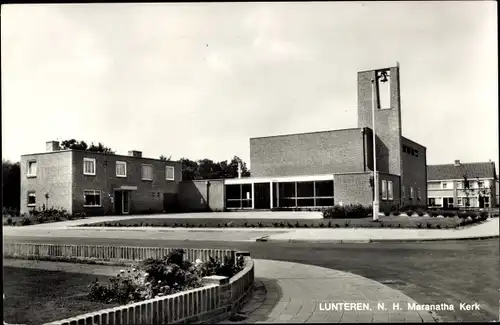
(38, 217)
(401, 221)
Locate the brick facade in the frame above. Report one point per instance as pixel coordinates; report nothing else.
(60, 173)
(414, 173)
(53, 177)
(339, 151)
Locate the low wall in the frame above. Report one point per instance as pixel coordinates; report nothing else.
(118, 254)
(214, 302)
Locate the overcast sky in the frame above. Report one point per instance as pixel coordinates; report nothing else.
(198, 80)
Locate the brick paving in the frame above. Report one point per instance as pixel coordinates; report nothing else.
(291, 293)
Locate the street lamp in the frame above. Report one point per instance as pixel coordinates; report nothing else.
(375, 179)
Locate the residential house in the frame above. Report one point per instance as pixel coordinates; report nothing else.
(98, 183)
(447, 185)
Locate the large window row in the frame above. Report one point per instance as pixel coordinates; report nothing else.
(305, 194)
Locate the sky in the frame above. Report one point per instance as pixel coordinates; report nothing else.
(197, 80)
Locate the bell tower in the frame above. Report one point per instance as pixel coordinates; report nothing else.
(380, 89)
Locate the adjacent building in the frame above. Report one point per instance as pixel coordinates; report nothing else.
(447, 188)
(320, 169)
(98, 183)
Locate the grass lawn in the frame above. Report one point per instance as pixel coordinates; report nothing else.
(39, 296)
(389, 221)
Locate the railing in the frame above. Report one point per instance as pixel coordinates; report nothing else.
(118, 254)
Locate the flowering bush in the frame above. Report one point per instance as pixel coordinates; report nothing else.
(159, 277)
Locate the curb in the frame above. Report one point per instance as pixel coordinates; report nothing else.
(368, 241)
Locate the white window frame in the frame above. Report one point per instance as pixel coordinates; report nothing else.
(479, 184)
(390, 190)
(93, 161)
(124, 163)
(411, 193)
(142, 172)
(166, 173)
(444, 185)
(384, 189)
(29, 172)
(94, 192)
(460, 185)
(459, 201)
(28, 196)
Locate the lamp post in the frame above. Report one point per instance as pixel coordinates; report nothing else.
(375, 178)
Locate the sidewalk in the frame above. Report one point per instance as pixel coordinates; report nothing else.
(297, 293)
(487, 229)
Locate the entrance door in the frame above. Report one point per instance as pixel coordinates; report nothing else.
(125, 202)
(262, 196)
(118, 202)
(447, 202)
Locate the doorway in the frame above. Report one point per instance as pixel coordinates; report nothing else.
(262, 196)
(447, 202)
(122, 202)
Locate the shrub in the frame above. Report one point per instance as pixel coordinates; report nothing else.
(346, 224)
(419, 225)
(9, 220)
(429, 226)
(321, 225)
(420, 212)
(25, 221)
(409, 212)
(435, 213)
(348, 211)
(261, 225)
(297, 225)
(387, 212)
(438, 226)
(329, 224)
(463, 214)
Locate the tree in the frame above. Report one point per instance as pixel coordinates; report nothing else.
(82, 145)
(11, 185)
(208, 169)
(467, 189)
(162, 157)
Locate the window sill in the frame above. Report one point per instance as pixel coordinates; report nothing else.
(92, 206)
(147, 179)
(31, 176)
(121, 176)
(170, 179)
(86, 174)
(31, 205)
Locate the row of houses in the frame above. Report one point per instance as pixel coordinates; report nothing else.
(317, 169)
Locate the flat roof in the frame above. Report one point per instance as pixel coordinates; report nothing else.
(304, 133)
(97, 153)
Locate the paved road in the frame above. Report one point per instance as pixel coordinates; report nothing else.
(450, 272)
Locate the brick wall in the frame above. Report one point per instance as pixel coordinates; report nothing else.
(339, 151)
(53, 177)
(352, 189)
(148, 197)
(200, 196)
(414, 173)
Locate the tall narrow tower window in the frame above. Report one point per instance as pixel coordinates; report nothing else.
(384, 89)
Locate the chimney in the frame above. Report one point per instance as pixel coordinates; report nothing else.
(135, 153)
(52, 146)
(457, 163)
